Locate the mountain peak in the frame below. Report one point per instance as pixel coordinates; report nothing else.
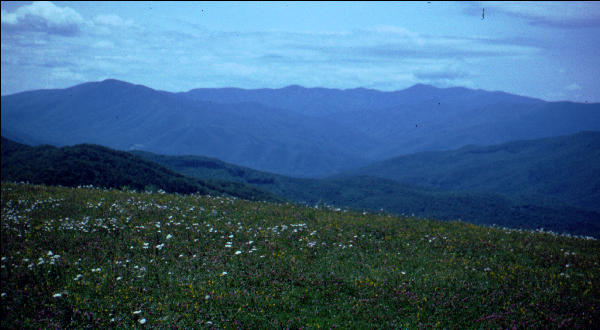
(422, 87)
(293, 87)
(115, 82)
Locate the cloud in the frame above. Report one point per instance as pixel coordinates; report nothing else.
(440, 75)
(112, 21)
(573, 87)
(567, 14)
(47, 18)
(383, 45)
(43, 16)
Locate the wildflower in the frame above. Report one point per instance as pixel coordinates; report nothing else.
(238, 252)
(119, 278)
(137, 312)
(57, 295)
(403, 272)
(79, 276)
(142, 321)
(160, 246)
(49, 253)
(146, 245)
(224, 273)
(206, 297)
(169, 236)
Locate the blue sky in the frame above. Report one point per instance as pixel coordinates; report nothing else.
(548, 50)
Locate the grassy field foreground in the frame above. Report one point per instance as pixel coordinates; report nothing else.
(90, 257)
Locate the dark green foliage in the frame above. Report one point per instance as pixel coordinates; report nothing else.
(103, 167)
(565, 168)
(375, 194)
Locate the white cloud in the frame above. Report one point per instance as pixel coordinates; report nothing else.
(44, 16)
(112, 21)
(573, 87)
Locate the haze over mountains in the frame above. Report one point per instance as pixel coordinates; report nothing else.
(303, 132)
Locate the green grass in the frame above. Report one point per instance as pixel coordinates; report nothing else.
(296, 266)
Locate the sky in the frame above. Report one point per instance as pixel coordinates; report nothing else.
(547, 50)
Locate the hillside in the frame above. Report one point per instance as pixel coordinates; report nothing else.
(296, 131)
(361, 192)
(103, 167)
(565, 168)
(81, 258)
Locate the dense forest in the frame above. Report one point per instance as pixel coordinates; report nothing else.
(103, 167)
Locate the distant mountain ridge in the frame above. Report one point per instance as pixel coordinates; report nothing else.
(319, 101)
(296, 131)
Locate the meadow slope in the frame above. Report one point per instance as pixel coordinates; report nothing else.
(85, 257)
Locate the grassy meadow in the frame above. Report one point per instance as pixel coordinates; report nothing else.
(87, 257)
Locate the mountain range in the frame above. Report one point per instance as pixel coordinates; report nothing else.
(296, 131)
(443, 153)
